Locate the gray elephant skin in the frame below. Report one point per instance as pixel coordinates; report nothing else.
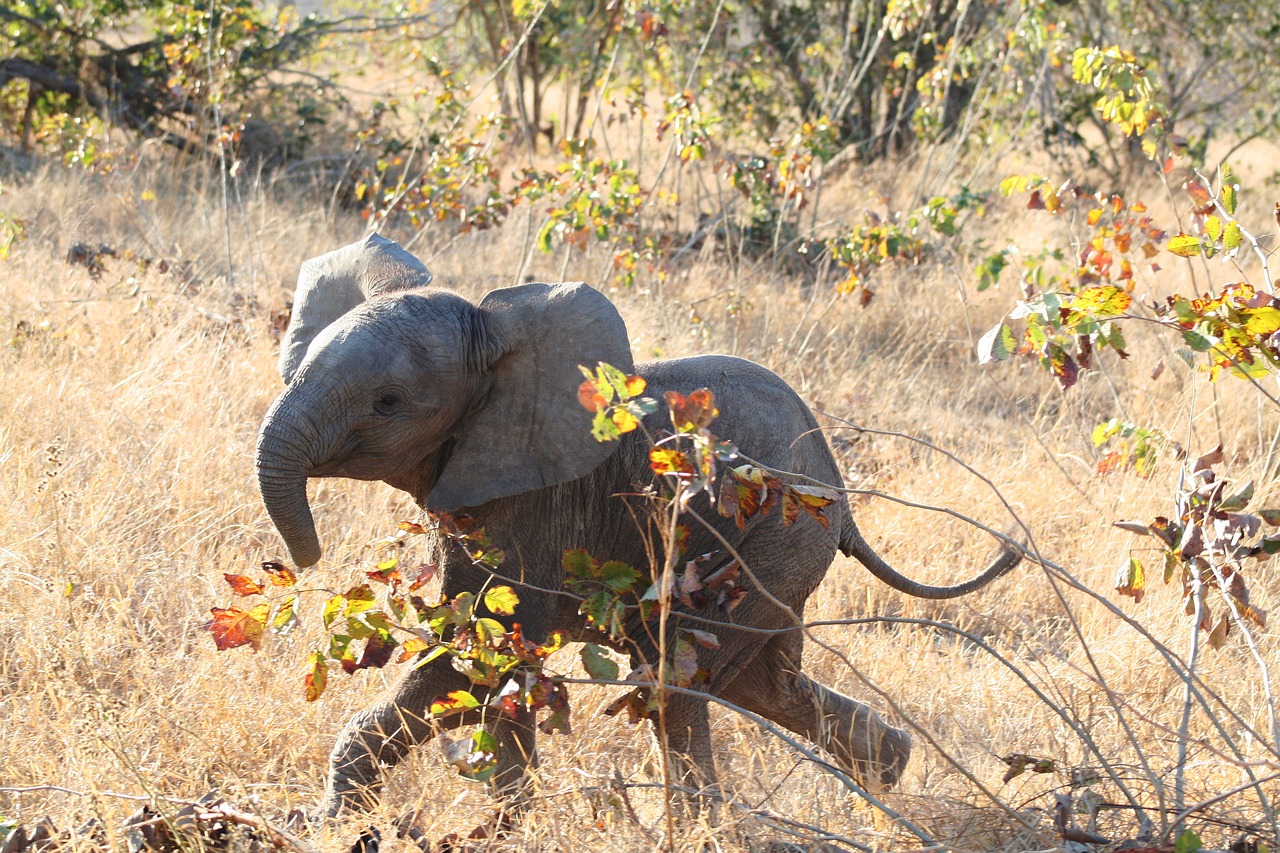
(474, 409)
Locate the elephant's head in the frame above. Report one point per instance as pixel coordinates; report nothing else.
(455, 403)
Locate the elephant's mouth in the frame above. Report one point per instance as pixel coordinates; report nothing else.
(418, 480)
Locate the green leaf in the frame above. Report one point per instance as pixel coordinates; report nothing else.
(1188, 842)
(1230, 196)
(286, 617)
(603, 427)
(501, 600)
(996, 344)
(488, 630)
(598, 664)
(1232, 236)
(1198, 341)
(617, 575)
(578, 563)
(1239, 499)
(544, 237)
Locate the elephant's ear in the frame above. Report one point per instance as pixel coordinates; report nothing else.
(333, 283)
(531, 431)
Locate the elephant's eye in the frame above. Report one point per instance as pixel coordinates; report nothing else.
(387, 403)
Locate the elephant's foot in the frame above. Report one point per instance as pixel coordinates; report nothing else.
(879, 752)
(355, 765)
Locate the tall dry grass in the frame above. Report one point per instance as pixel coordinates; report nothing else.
(130, 406)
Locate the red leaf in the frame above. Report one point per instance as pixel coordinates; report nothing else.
(377, 652)
(425, 573)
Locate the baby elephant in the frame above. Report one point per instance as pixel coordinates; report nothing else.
(474, 408)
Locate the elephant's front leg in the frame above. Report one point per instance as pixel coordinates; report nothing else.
(691, 767)
(517, 752)
(383, 734)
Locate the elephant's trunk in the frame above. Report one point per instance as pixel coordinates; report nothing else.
(283, 464)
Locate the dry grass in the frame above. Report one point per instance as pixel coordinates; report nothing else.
(130, 408)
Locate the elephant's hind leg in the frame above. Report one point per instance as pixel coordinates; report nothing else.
(874, 752)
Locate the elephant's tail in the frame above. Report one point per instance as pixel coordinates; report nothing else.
(853, 545)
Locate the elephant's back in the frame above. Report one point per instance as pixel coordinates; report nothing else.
(759, 412)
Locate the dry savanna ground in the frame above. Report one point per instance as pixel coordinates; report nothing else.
(131, 400)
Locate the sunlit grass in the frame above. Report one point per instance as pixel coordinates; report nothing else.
(130, 407)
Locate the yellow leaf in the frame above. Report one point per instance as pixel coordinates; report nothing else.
(1262, 321)
(623, 419)
(1213, 227)
(501, 600)
(1184, 245)
(1132, 580)
(665, 461)
(1101, 301)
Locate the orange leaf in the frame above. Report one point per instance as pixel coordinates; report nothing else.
(692, 413)
(591, 399)
(411, 647)
(809, 499)
(243, 585)
(317, 675)
(635, 386)
(233, 626)
(280, 575)
(1110, 463)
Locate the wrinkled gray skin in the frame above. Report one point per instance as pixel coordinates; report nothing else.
(474, 408)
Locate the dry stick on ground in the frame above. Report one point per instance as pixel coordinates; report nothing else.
(277, 837)
(204, 812)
